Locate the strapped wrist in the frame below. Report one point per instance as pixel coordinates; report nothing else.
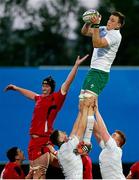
(87, 25)
(95, 26)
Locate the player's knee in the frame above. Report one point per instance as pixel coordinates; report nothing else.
(81, 97)
(89, 95)
(90, 101)
(81, 105)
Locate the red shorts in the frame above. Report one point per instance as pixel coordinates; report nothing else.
(37, 147)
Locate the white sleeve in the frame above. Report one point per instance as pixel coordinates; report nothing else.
(112, 38)
(102, 144)
(111, 144)
(73, 141)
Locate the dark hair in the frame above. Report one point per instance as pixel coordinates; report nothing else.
(54, 137)
(51, 82)
(121, 17)
(11, 154)
(122, 137)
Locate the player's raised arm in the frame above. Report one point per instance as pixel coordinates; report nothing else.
(87, 30)
(29, 94)
(66, 85)
(104, 134)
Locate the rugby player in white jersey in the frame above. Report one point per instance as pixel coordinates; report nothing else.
(106, 41)
(110, 158)
(70, 162)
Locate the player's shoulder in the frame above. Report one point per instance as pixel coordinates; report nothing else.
(114, 32)
(37, 97)
(111, 143)
(136, 164)
(102, 28)
(114, 35)
(56, 93)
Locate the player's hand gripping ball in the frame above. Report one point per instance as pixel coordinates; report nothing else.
(82, 148)
(88, 14)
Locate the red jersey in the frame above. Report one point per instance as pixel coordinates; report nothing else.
(87, 167)
(12, 171)
(45, 111)
(135, 170)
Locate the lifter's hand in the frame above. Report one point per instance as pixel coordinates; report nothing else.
(89, 101)
(10, 87)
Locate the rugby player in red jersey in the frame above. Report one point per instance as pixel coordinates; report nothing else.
(134, 171)
(12, 169)
(47, 105)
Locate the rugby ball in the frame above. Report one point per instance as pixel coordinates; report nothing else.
(88, 14)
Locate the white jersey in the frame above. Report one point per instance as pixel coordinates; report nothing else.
(110, 160)
(70, 163)
(102, 58)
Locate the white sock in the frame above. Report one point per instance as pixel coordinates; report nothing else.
(89, 129)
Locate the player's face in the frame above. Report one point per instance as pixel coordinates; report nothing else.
(20, 155)
(46, 89)
(62, 136)
(113, 23)
(116, 137)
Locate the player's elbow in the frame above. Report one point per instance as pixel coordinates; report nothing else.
(83, 32)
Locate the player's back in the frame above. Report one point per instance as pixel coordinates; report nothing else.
(70, 162)
(110, 161)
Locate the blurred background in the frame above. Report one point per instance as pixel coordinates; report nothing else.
(42, 37)
(47, 32)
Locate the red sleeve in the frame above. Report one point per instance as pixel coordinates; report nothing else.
(133, 168)
(37, 97)
(59, 99)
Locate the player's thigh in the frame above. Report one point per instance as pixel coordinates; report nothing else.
(95, 81)
(40, 165)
